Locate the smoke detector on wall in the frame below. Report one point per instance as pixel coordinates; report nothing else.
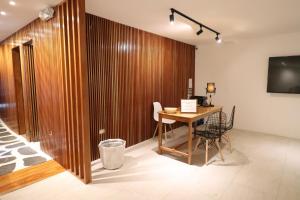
(46, 14)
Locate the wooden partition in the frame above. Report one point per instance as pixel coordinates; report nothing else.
(30, 100)
(129, 69)
(61, 84)
(75, 87)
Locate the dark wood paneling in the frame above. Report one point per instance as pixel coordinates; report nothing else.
(129, 69)
(61, 80)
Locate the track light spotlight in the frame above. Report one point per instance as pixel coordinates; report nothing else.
(200, 31)
(202, 26)
(218, 39)
(172, 18)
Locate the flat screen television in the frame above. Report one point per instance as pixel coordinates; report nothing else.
(284, 75)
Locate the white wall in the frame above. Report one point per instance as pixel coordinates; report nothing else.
(239, 70)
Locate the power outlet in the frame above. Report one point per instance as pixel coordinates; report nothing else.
(101, 131)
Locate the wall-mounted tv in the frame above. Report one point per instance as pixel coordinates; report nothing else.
(284, 75)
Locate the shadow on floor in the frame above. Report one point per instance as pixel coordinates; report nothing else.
(235, 158)
(150, 165)
(130, 171)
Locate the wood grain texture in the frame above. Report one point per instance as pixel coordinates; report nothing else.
(8, 109)
(30, 100)
(61, 85)
(29, 175)
(129, 69)
(75, 86)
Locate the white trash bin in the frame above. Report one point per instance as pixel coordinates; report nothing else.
(112, 153)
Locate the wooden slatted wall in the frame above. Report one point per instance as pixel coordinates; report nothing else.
(129, 69)
(75, 83)
(61, 80)
(30, 99)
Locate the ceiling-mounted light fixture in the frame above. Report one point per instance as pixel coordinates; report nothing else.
(191, 19)
(2, 13)
(46, 14)
(12, 3)
(218, 39)
(200, 31)
(172, 18)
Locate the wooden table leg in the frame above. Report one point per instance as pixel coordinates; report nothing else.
(190, 142)
(159, 134)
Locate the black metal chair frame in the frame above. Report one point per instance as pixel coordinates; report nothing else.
(228, 127)
(212, 134)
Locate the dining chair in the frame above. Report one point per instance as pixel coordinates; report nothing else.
(211, 132)
(228, 127)
(157, 108)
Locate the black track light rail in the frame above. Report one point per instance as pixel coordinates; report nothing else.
(191, 19)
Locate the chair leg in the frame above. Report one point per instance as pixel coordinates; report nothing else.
(171, 128)
(155, 131)
(229, 142)
(206, 152)
(218, 146)
(166, 132)
(198, 142)
(227, 138)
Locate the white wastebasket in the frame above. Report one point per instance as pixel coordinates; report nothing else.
(112, 153)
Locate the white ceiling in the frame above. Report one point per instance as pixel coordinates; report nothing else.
(21, 14)
(233, 18)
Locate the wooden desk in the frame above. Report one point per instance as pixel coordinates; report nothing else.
(188, 118)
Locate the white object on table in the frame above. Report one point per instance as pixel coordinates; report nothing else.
(189, 105)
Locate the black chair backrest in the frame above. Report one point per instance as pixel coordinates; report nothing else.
(213, 123)
(231, 122)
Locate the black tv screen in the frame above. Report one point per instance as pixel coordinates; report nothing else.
(284, 75)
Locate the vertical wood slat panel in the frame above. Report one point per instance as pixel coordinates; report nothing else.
(128, 70)
(65, 83)
(30, 90)
(61, 80)
(76, 100)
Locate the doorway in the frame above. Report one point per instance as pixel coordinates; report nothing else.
(16, 58)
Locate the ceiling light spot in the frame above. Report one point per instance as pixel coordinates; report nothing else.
(12, 3)
(2, 13)
(172, 18)
(218, 39)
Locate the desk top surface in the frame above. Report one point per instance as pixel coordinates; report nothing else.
(201, 113)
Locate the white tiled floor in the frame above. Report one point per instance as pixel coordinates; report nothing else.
(261, 167)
